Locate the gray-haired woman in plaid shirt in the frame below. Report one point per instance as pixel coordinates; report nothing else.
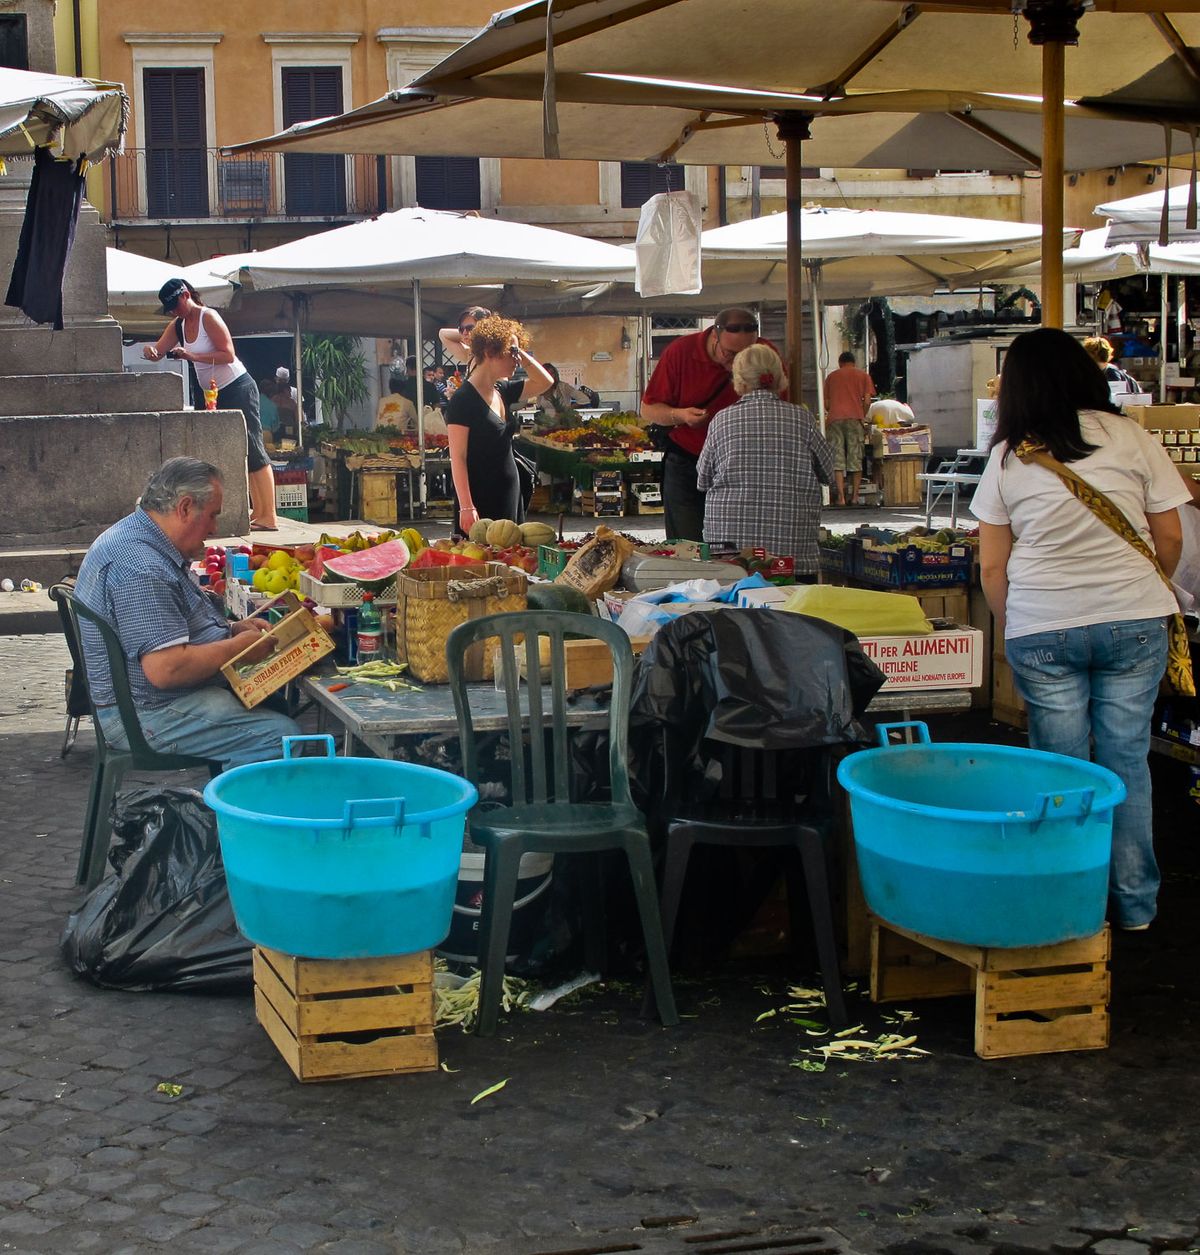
(763, 465)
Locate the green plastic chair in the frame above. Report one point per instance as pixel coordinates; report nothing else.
(541, 816)
(113, 762)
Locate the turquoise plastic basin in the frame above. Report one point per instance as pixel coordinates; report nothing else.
(341, 858)
(987, 845)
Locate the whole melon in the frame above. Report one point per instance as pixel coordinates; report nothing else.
(534, 534)
(546, 596)
(479, 531)
(502, 534)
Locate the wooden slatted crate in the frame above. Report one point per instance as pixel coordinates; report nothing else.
(333, 1019)
(1028, 1000)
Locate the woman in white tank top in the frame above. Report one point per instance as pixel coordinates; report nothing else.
(199, 335)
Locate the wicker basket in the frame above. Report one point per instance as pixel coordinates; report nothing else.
(430, 603)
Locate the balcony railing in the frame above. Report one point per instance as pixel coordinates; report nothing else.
(199, 183)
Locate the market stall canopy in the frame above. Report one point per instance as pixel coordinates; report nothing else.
(871, 252)
(134, 281)
(1130, 52)
(1141, 217)
(430, 245)
(606, 119)
(77, 117)
(1097, 261)
(593, 70)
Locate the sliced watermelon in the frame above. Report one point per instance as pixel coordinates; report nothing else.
(373, 568)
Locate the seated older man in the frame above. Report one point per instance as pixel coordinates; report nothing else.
(137, 576)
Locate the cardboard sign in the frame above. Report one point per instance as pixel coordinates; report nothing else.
(941, 660)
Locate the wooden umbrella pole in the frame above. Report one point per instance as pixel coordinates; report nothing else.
(793, 130)
(1053, 78)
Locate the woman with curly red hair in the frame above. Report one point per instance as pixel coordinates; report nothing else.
(481, 422)
(763, 465)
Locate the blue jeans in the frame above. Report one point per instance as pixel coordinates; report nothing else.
(211, 723)
(1100, 682)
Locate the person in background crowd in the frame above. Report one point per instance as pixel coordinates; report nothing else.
(408, 380)
(690, 384)
(283, 383)
(199, 335)
(1083, 614)
(136, 575)
(763, 465)
(482, 421)
(1100, 351)
(848, 392)
(561, 398)
(268, 415)
(457, 340)
(395, 409)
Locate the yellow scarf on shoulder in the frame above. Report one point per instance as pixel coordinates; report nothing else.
(1178, 676)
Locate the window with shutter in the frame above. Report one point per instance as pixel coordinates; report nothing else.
(314, 183)
(448, 183)
(642, 179)
(14, 42)
(176, 143)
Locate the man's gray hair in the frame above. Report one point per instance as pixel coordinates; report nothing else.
(178, 478)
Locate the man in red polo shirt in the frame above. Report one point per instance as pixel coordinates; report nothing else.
(690, 384)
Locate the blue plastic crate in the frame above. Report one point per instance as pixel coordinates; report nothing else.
(913, 567)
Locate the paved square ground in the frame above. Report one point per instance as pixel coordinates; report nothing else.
(607, 1122)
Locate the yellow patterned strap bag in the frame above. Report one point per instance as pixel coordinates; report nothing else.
(1178, 676)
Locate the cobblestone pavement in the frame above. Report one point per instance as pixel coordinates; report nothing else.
(606, 1121)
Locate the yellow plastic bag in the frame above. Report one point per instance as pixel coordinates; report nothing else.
(861, 610)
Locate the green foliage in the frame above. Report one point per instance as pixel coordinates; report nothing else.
(338, 370)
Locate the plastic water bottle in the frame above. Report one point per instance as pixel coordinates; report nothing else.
(370, 631)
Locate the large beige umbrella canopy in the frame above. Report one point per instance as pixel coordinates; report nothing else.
(733, 63)
(1135, 53)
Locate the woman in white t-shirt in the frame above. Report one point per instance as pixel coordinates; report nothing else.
(1082, 613)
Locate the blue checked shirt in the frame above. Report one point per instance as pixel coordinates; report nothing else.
(763, 465)
(136, 579)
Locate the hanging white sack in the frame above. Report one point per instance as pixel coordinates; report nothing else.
(668, 245)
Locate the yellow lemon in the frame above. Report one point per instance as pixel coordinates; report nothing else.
(279, 560)
(260, 579)
(276, 583)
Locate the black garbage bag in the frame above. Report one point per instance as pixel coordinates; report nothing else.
(163, 920)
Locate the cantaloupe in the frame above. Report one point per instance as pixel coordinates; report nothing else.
(479, 531)
(534, 534)
(502, 534)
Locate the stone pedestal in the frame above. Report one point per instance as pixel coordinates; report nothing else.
(65, 478)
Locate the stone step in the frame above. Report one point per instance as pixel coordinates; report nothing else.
(28, 614)
(109, 392)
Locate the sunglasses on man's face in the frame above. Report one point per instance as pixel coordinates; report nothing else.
(739, 328)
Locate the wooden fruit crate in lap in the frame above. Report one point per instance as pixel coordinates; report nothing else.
(335, 1019)
(1028, 1000)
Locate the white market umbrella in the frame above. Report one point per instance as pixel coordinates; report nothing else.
(429, 244)
(1094, 260)
(1141, 218)
(134, 282)
(77, 117)
(865, 252)
(403, 250)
